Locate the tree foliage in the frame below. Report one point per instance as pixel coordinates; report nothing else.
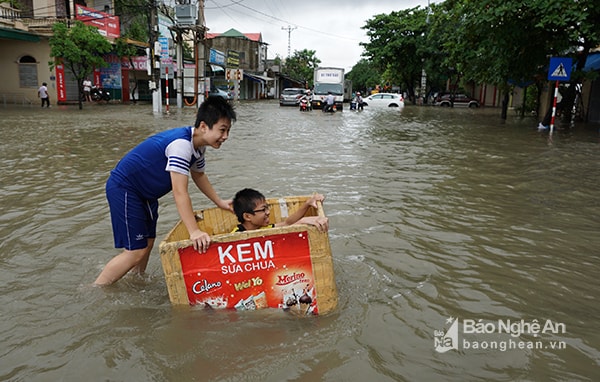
(497, 42)
(364, 76)
(300, 66)
(397, 45)
(135, 18)
(79, 48)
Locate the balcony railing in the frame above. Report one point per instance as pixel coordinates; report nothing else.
(11, 17)
(42, 23)
(8, 13)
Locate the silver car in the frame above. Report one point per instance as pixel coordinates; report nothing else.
(291, 96)
(218, 92)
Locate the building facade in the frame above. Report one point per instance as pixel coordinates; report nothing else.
(24, 42)
(248, 53)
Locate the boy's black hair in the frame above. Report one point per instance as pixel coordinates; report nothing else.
(245, 201)
(213, 109)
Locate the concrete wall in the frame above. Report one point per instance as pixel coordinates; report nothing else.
(248, 47)
(12, 51)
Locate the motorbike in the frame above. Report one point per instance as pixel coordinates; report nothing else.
(305, 105)
(99, 94)
(329, 108)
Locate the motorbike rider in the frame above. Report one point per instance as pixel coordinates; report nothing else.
(359, 101)
(307, 97)
(329, 102)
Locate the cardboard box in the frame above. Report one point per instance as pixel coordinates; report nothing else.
(288, 268)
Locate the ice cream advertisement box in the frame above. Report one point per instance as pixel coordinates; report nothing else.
(288, 268)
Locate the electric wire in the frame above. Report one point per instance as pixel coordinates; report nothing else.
(269, 16)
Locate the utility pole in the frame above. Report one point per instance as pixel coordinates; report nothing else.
(180, 74)
(201, 54)
(189, 19)
(289, 29)
(154, 60)
(423, 91)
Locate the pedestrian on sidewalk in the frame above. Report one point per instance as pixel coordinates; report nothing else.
(43, 94)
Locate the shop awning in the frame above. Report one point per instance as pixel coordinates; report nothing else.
(139, 44)
(258, 78)
(592, 62)
(15, 34)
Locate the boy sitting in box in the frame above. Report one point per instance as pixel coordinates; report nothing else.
(252, 211)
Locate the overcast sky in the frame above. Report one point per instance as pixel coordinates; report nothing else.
(331, 28)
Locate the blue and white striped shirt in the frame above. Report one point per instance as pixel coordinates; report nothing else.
(146, 168)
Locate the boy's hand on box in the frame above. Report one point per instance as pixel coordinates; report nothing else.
(200, 241)
(314, 199)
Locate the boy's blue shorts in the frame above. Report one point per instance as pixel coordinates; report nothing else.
(133, 218)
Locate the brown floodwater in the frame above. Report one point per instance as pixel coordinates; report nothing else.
(437, 216)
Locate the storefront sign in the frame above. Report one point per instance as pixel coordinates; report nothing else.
(61, 88)
(216, 57)
(108, 25)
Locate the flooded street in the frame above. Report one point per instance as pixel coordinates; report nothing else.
(464, 249)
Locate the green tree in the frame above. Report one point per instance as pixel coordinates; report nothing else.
(80, 49)
(574, 25)
(487, 44)
(496, 42)
(135, 17)
(300, 66)
(510, 41)
(397, 46)
(364, 75)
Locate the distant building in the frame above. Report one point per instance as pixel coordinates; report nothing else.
(24, 43)
(245, 51)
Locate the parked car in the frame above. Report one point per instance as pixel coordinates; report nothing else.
(291, 96)
(460, 100)
(384, 100)
(217, 92)
(436, 97)
(227, 90)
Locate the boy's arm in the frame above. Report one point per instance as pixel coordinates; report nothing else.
(297, 216)
(200, 240)
(321, 222)
(204, 185)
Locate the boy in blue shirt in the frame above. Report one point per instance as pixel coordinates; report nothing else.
(162, 163)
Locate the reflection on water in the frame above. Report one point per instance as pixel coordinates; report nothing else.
(435, 213)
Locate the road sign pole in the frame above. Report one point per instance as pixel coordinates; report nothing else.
(554, 107)
(167, 87)
(559, 70)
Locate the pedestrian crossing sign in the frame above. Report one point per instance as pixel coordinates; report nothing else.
(560, 69)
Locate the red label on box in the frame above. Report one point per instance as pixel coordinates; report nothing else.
(272, 271)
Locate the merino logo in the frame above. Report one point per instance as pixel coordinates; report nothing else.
(288, 279)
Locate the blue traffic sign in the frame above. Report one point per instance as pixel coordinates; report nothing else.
(560, 69)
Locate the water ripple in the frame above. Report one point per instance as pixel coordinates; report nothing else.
(434, 214)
